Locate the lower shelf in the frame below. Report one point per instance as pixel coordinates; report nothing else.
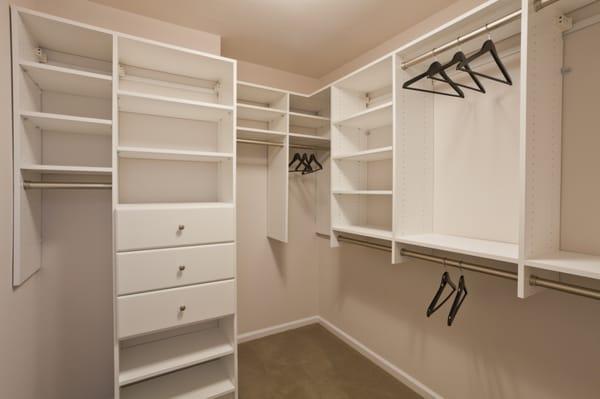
(207, 381)
(143, 361)
(578, 264)
(502, 251)
(67, 170)
(366, 231)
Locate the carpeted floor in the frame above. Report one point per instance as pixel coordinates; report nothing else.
(311, 363)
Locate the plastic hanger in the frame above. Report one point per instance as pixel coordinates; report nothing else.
(458, 59)
(294, 159)
(312, 159)
(461, 294)
(488, 47)
(435, 69)
(434, 306)
(303, 162)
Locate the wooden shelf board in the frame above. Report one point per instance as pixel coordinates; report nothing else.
(366, 231)
(371, 118)
(174, 205)
(66, 80)
(171, 107)
(308, 139)
(376, 154)
(149, 360)
(66, 170)
(568, 262)
(248, 133)
(206, 381)
(369, 79)
(173, 155)
(68, 123)
(362, 192)
(501, 251)
(311, 121)
(256, 113)
(259, 95)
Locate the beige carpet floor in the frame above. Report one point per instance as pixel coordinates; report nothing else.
(312, 363)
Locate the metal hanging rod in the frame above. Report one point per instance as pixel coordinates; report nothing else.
(465, 38)
(276, 144)
(56, 186)
(533, 280)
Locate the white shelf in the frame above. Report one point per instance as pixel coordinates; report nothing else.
(66, 170)
(145, 361)
(306, 120)
(249, 133)
(366, 231)
(66, 80)
(256, 113)
(173, 155)
(362, 192)
(376, 154)
(259, 95)
(174, 205)
(501, 251)
(569, 262)
(207, 381)
(371, 118)
(370, 78)
(171, 107)
(68, 123)
(308, 139)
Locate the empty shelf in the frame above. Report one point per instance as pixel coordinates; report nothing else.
(248, 133)
(149, 360)
(207, 381)
(255, 113)
(174, 205)
(67, 80)
(248, 93)
(377, 154)
(67, 170)
(68, 123)
(569, 262)
(171, 107)
(362, 192)
(173, 155)
(371, 118)
(306, 120)
(366, 231)
(496, 250)
(308, 139)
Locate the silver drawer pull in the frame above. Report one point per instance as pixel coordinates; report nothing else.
(182, 308)
(181, 268)
(181, 227)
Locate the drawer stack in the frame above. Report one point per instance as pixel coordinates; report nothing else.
(175, 291)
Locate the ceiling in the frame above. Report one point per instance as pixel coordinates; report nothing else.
(307, 37)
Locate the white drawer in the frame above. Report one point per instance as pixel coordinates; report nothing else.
(158, 310)
(171, 267)
(151, 226)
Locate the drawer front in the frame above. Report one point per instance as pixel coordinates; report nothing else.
(157, 228)
(158, 310)
(172, 267)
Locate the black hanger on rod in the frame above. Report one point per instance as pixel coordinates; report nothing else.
(488, 47)
(458, 59)
(435, 69)
(461, 294)
(312, 159)
(446, 281)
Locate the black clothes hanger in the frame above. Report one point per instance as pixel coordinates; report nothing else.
(433, 306)
(435, 69)
(296, 158)
(488, 47)
(312, 159)
(461, 294)
(458, 59)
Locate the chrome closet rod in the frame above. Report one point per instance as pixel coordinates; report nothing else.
(533, 280)
(275, 144)
(78, 186)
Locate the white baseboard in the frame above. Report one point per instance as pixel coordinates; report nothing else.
(252, 335)
(391, 369)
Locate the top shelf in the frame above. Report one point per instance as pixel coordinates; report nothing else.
(569, 262)
(371, 78)
(258, 96)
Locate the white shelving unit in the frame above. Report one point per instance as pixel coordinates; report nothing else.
(362, 153)
(66, 123)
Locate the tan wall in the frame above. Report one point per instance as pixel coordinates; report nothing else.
(56, 330)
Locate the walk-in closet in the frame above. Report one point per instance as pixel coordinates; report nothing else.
(314, 200)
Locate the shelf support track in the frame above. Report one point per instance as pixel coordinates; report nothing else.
(491, 271)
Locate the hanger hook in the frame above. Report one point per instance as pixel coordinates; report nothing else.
(460, 263)
(489, 32)
(445, 265)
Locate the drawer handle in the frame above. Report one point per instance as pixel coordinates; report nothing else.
(181, 268)
(182, 308)
(181, 227)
